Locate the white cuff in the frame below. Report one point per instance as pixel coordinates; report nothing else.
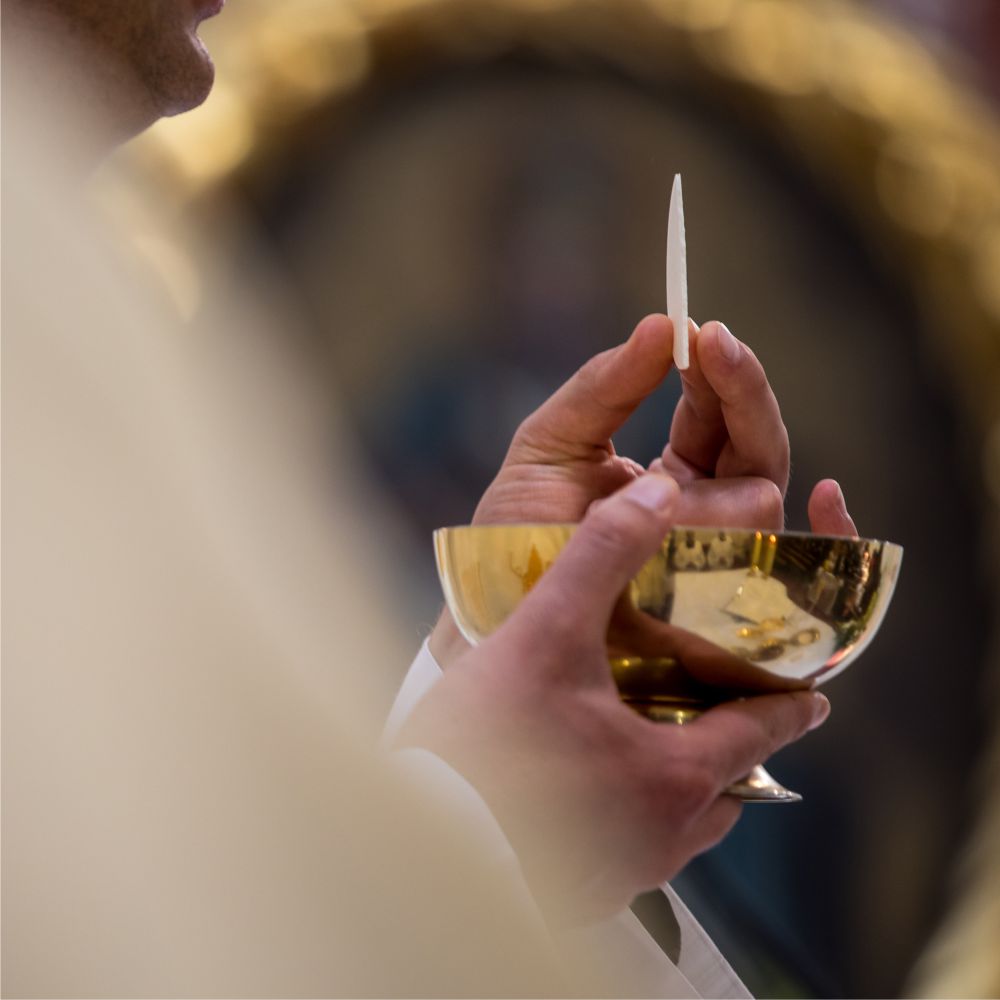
(423, 674)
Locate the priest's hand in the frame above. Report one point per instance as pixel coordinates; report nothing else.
(728, 447)
(598, 802)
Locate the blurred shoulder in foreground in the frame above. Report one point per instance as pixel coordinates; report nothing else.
(193, 632)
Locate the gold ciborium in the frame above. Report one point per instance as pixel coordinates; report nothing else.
(717, 613)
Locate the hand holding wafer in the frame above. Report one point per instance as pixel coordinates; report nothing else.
(728, 447)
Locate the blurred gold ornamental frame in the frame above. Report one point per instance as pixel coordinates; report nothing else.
(878, 121)
(881, 124)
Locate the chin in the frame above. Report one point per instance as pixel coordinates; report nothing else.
(194, 93)
(183, 80)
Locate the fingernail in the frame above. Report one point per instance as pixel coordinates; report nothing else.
(821, 709)
(652, 491)
(728, 345)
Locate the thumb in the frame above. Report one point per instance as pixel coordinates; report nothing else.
(574, 600)
(588, 409)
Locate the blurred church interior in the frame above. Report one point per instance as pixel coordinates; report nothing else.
(462, 200)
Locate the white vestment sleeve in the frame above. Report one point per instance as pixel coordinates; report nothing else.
(620, 942)
(424, 672)
(459, 800)
(700, 960)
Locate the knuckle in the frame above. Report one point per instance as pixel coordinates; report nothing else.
(805, 708)
(784, 443)
(586, 379)
(543, 628)
(694, 788)
(755, 374)
(787, 721)
(621, 525)
(772, 503)
(750, 383)
(526, 425)
(720, 819)
(527, 433)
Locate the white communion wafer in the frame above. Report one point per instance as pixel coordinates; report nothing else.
(677, 284)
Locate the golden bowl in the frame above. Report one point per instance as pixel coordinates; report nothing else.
(770, 610)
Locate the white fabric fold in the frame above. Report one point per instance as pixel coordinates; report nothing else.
(621, 944)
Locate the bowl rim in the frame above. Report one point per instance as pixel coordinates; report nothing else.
(779, 534)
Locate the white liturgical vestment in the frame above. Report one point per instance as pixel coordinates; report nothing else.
(191, 804)
(621, 943)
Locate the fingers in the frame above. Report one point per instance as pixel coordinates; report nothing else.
(705, 662)
(587, 410)
(571, 605)
(828, 510)
(716, 823)
(753, 502)
(735, 736)
(698, 432)
(746, 502)
(728, 422)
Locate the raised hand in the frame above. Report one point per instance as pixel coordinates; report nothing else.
(728, 447)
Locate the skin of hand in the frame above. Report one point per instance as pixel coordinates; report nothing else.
(599, 802)
(728, 446)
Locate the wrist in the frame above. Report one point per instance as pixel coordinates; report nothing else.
(446, 643)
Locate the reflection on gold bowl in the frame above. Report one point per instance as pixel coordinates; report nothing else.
(773, 611)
